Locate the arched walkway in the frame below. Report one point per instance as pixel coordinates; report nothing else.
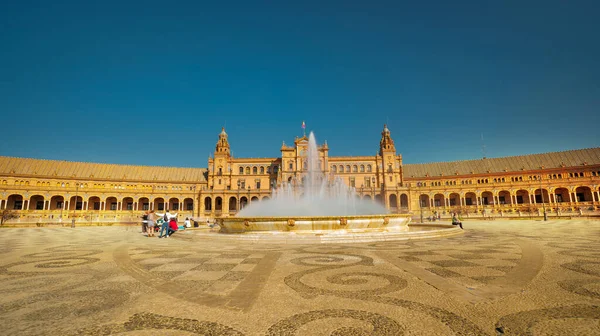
(561, 195)
(583, 194)
(438, 200)
(173, 204)
(470, 199)
(188, 204)
(94, 203)
(37, 202)
(404, 201)
(15, 202)
(504, 197)
(393, 200)
(487, 198)
(218, 204)
(57, 202)
(127, 204)
(522, 197)
(243, 202)
(208, 204)
(232, 204)
(112, 203)
(158, 204)
(424, 201)
(454, 199)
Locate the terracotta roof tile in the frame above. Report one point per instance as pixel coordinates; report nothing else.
(571, 158)
(26, 166)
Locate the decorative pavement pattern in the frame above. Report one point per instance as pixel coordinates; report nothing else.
(499, 278)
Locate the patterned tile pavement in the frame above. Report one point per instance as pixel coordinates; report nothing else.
(499, 278)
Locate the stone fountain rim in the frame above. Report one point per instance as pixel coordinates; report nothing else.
(312, 218)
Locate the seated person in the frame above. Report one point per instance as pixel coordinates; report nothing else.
(172, 226)
(455, 221)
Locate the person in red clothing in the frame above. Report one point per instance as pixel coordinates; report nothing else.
(172, 226)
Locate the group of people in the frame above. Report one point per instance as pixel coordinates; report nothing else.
(167, 223)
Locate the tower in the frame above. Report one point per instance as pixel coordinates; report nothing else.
(220, 166)
(389, 165)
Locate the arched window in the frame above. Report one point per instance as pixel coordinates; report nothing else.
(362, 168)
(262, 170)
(355, 169)
(291, 165)
(247, 170)
(369, 168)
(254, 170)
(241, 170)
(341, 169)
(348, 168)
(334, 169)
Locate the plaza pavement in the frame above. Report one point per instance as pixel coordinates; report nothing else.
(518, 277)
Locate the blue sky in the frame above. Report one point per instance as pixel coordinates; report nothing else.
(153, 82)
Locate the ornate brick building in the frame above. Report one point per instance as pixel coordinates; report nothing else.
(564, 183)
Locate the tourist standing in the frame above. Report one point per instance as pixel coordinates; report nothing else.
(151, 218)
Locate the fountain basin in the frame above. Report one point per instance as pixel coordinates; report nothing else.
(317, 225)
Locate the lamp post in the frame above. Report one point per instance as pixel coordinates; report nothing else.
(238, 198)
(373, 187)
(542, 198)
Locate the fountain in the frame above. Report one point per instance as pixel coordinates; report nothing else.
(315, 206)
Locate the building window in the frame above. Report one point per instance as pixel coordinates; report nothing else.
(257, 184)
(145, 206)
(175, 206)
(78, 205)
(362, 168)
(59, 205)
(161, 206)
(355, 169)
(352, 182)
(369, 168)
(113, 206)
(468, 201)
(39, 205)
(334, 169)
(129, 206)
(219, 181)
(254, 170)
(501, 199)
(341, 169)
(241, 170)
(519, 199)
(291, 165)
(262, 170)
(348, 168)
(18, 205)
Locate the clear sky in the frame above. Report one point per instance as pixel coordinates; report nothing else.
(153, 82)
